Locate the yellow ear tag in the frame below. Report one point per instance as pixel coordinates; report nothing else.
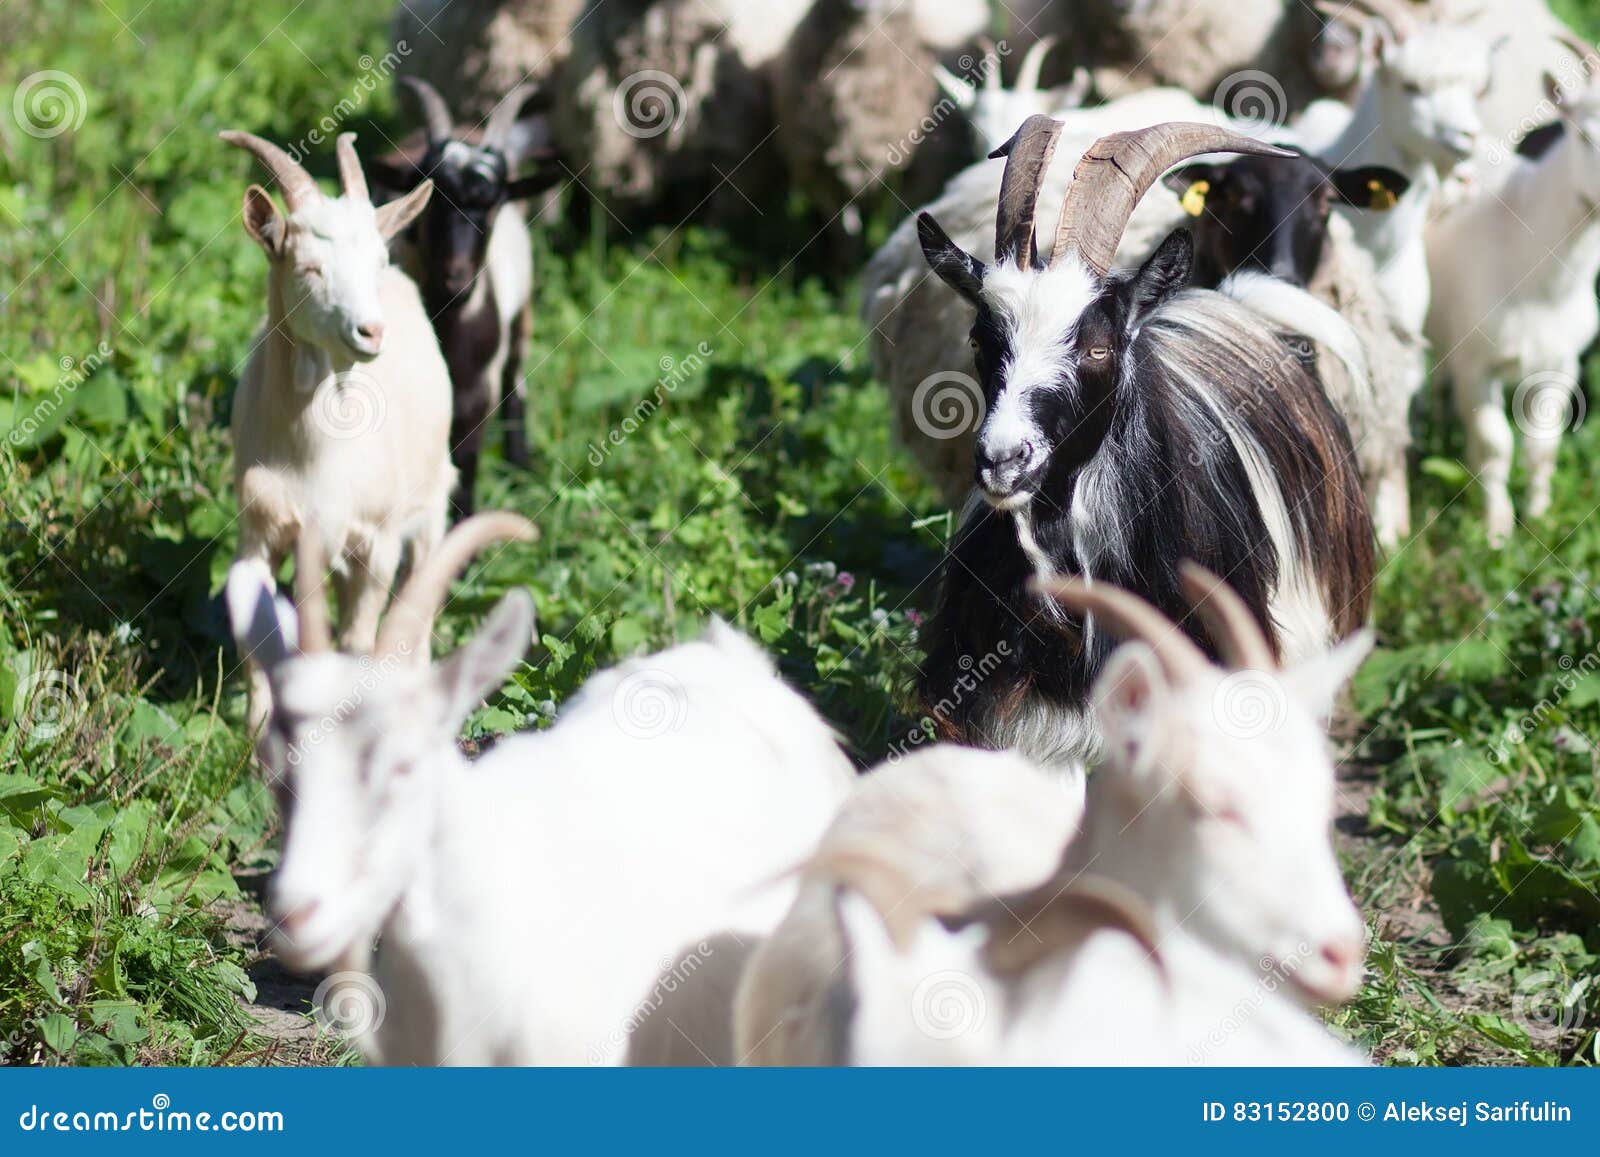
(1383, 198)
(1194, 198)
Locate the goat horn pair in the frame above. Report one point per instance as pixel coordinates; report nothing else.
(1233, 627)
(1110, 179)
(294, 183)
(411, 614)
(497, 130)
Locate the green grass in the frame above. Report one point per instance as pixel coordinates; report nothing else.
(764, 489)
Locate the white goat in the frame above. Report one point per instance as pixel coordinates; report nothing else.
(1211, 809)
(1520, 312)
(943, 830)
(341, 420)
(994, 111)
(524, 902)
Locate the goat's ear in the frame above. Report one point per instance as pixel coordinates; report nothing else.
(531, 186)
(263, 221)
(396, 215)
(1130, 700)
(1318, 682)
(956, 267)
(1192, 183)
(1167, 271)
(264, 626)
(1370, 187)
(481, 665)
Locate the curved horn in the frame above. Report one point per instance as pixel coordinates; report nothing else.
(1234, 629)
(992, 60)
(1116, 172)
(351, 178)
(294, 182)
(1027, 156)
(1123, 613)
(437, 122)
(310, 601)
(411, 614)
(955, 87)
(1033, 64)
(497, 132)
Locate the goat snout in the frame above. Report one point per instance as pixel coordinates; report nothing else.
(367, 338)
(1463, 142)
(1334, 974)
(1004, 471)
(294, 921)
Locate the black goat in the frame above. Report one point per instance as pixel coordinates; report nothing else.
(1130, 422)
(471, 256)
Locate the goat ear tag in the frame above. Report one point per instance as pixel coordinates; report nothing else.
(1194, 198)
(1383, 197)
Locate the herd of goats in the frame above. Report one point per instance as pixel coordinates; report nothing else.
(1175, 424)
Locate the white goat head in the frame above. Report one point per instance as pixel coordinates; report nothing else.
(1217, 793)
(994, 111)
(357, 746)
(1578, 113)
(1430, 78)
(327, 253)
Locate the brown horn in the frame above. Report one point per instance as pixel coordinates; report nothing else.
(1027, 156)
(437, 122)
(497, 132)
(411, 614)
(310, 600)
(1234, 628)
(294, 183)
(1118, 170)
(1125, 614)
(351, 178)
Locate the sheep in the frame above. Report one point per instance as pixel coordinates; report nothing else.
(474, 53)
(1262, 218)
(993, 111)
(1191, 824)
(1129, 420)
(1521, 312)
(665, 105)
(1253, 56)
(850, 92)
(341, 418)
(917, 325)
(473, 260)
(522, 903)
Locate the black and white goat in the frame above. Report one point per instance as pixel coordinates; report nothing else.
(472, 258)
(1257, 219)
(1129, 422)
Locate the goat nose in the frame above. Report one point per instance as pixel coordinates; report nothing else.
(370, 331)
(293, 921)
(1344, 954)
(1009, 457)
